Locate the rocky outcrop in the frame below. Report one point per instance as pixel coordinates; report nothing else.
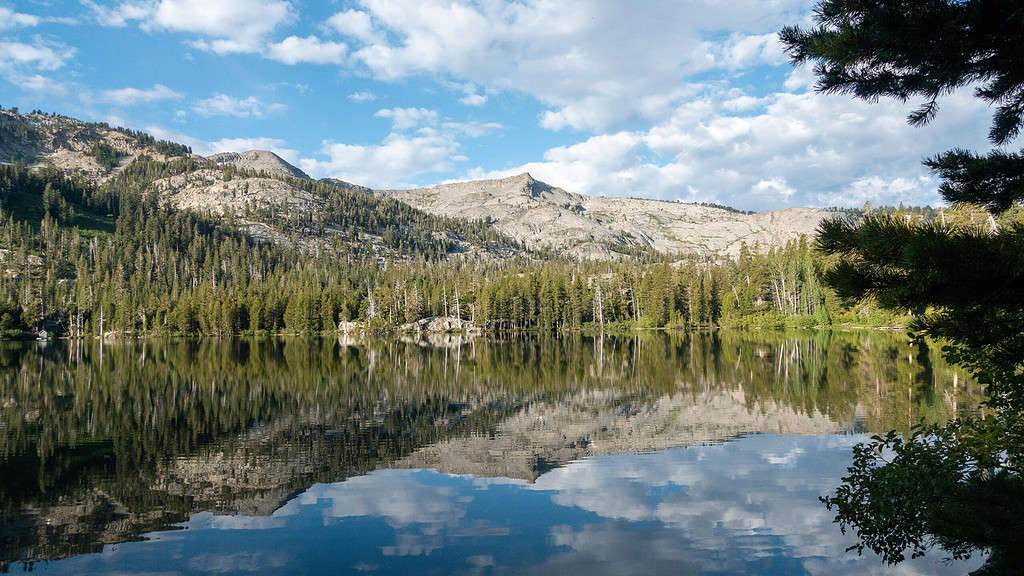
(543, 216)
(69, 144)
(440, 325)
(258, 161)
(208, 191)
(533, 213)
(547, 435)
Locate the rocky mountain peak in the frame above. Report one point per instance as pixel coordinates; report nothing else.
(258, 160)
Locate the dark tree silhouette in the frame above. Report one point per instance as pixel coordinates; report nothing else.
(958, 487)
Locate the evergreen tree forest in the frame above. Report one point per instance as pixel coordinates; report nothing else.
(82, 260)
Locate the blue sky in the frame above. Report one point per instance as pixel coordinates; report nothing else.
(679, 100)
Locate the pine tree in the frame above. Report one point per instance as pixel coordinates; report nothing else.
(962, 283)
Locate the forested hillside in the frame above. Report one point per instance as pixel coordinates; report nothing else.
(82, 255)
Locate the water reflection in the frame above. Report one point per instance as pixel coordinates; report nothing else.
(743, 507)
(263, 448)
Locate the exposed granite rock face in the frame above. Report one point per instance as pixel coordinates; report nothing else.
(347, 185)
(208, 191)
(66, 143)
(541, 216)
(258, 161)
(595, 423)
(440, 325)
(532, 212)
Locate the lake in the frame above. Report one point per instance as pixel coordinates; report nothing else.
(699, 453)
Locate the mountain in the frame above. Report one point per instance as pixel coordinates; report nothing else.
(257, 191)
(601, 422)
(94, 151)
(541, 215)
(272, 199)
(258, 161)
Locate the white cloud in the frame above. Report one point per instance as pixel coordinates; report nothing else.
(11, 19)
(794, 149)
(120, 14)
(741, 51)
(354, 23)
(406, 118)
(472, 129)
(294, 50)
(275, 145)
(420, 142)
(21, 64)
(40, 55)
(362, 96)
(799, 78)
(133, 96)
(472, 95)
(585, 60)
(42, 84)
(225, 105)
(473, 100)
(394, 495)
(224, 26)
(395, 162)
(724, 508)
(773, 190)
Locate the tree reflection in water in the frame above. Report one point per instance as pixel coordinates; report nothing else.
(102, 443)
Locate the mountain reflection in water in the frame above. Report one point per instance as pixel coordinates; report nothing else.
(581, 455)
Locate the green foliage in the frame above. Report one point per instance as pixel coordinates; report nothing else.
(114, 258)
(995, 181)
(105, 154)
(962, 280)
(918, 49)
(951, 486)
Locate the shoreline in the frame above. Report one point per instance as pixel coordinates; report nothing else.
(468, 334)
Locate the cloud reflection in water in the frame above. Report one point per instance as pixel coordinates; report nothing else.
(746, 506)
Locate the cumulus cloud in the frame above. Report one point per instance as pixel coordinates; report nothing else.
(354, 23)
(763, 153)
(730, 508)
(396, 496)
(766, 146)
(225, 105)
(420, 142)
(10, 19)
(40, 54)
(119, 15)
(42, 84)
(473, 99)
(741, 51)
(21, 64)
(406, 118)
(583, 59)
(392, 163)
(699, 106)
(312, 50)
(225, 26)
(133, 96)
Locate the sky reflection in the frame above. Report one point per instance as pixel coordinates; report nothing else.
(747, 506)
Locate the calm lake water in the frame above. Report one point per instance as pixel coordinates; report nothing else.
(692, 454)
